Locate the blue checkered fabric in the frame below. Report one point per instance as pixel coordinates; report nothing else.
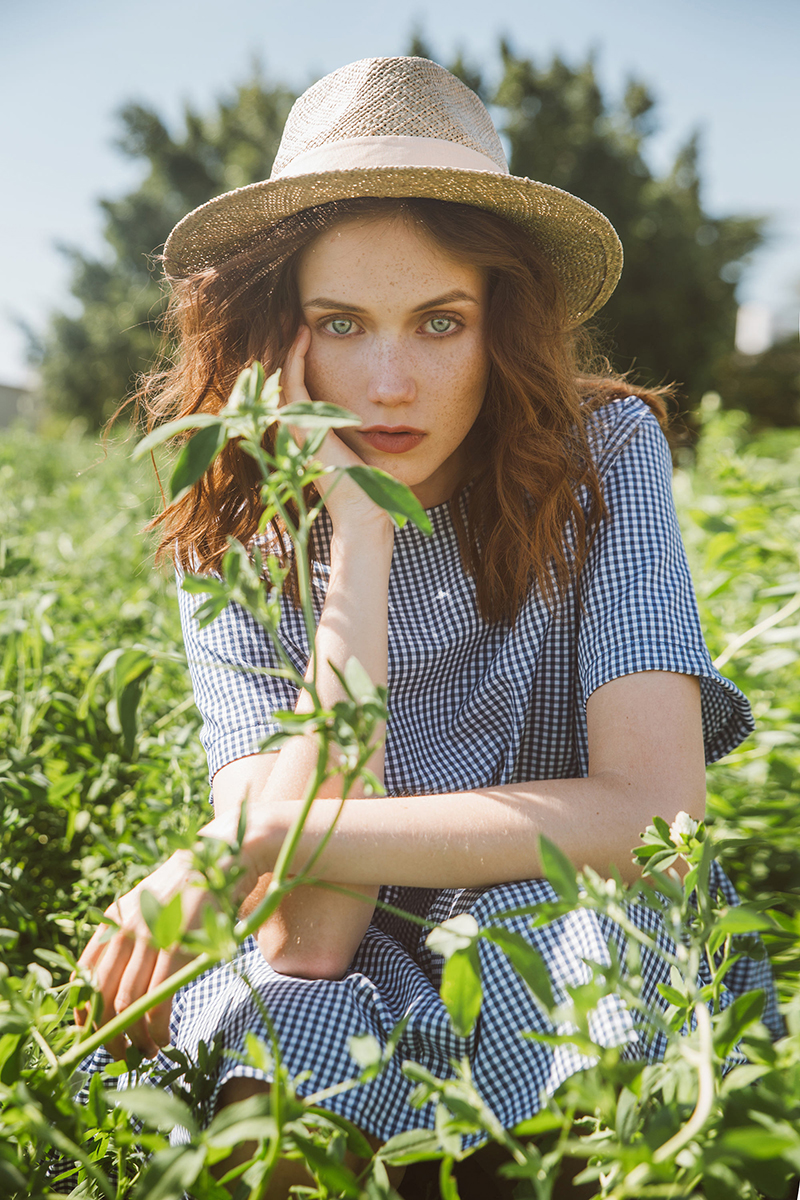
(472, 705)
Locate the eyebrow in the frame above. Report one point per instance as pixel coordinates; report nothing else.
(328, 305)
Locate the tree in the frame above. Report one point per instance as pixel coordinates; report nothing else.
(674, 313)
(767, 384)
(672, 318)
(90, 362)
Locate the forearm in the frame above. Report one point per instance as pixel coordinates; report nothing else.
(353, 624)
(478, 838)
(313, 933)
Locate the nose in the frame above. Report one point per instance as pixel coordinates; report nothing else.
(391, 378)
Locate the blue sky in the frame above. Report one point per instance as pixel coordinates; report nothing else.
(66, 66)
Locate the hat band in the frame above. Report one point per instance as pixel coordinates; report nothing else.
(349, 154)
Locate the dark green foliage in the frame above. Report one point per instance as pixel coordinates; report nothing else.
(766, 385)
(90, 362)
(673, 314)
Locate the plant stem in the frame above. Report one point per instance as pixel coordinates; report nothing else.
(702, 1060)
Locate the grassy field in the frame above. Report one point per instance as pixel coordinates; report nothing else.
(101, 770)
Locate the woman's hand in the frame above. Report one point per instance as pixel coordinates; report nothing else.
(350, 508)
(126, 964)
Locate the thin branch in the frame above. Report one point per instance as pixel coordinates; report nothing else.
(756, 630)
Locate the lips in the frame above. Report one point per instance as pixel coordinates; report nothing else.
(389, 439)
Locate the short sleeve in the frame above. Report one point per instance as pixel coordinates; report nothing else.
(639, 611)
(236, 698)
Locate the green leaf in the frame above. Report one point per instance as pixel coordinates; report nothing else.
(131, 665)
(559, 871)
(759, 1143)
(417, 1145)
(53, 1135)
(662, 828)
(461, 989)
(12, 565)
(526, 961)
(741, 1078)
(735, 1019)
(741, 919)
(200, 585)
(579, 1041)
(170, 1173)
(168, 926)
(246, 1120)
(96, 1102)
(391, 495)
(394, 1037)
(626, 1116)
(356, 1142)
(151, 910)
(156, 1108)
(544, 1122)
(334, 1175)
(305, 414)
(165, 432)
(11, 1179)
(358, 682)
(249, 385)
(673, 996)
(131, 669)
(378, 1186)
(365, 1049)
(195, 458)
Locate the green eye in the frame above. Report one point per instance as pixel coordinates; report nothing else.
(340, 325)
(440, 324)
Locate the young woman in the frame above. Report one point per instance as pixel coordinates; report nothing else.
(545, 667)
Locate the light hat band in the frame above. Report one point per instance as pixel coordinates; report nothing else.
(351, 153)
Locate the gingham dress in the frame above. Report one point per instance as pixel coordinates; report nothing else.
(471, 705)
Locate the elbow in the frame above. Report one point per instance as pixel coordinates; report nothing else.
(663, 795)
(291, 958)
(690, 799)
(299, 966)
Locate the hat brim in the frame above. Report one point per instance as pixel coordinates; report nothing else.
(579, 241)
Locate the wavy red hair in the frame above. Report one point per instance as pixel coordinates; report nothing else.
(535, 498)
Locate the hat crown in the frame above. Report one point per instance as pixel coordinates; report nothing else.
(388, 97)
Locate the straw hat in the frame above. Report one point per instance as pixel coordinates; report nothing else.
(402, 127)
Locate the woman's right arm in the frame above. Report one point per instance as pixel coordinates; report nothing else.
(315, 932)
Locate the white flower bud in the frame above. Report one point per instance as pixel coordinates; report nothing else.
(682, 828)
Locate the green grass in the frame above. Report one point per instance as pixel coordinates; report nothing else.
(81, 814)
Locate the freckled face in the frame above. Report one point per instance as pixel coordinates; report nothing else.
(398, 337)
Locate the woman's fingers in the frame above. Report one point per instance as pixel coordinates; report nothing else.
(293, 386)
(157, 1019)
(96, 947)
(294, 371)
(109, 973)
(127, 970)
(134, 983)
(105, 958)
(125, 965)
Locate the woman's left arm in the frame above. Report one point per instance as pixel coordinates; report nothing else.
(646, 758)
